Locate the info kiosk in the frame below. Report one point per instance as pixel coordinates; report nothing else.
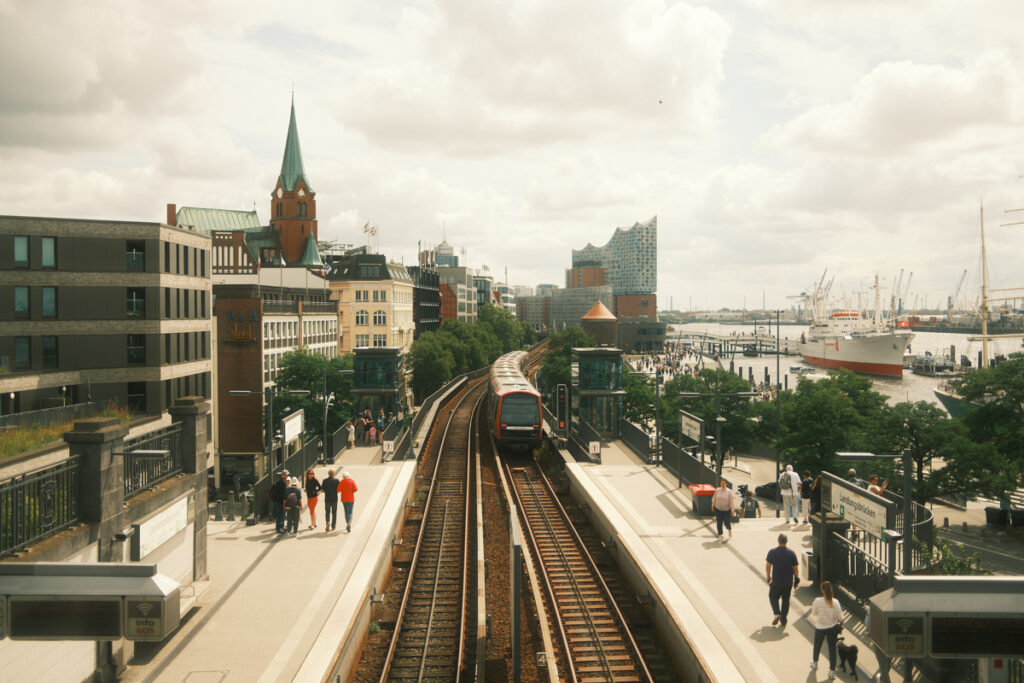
(968, 617)
(96, 601)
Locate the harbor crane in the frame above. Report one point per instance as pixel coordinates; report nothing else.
(956, 294)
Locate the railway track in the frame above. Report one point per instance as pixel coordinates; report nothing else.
(595, 640)
(428, 642)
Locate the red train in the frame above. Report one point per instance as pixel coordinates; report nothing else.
(513, 405)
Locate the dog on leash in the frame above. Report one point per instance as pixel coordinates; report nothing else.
(847, 655)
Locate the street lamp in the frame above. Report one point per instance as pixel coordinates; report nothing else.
(908, 498)
(718, 417)
(327, 404)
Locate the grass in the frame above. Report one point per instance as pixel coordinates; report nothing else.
(15, 441)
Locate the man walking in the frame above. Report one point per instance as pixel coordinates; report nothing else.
(781, 571)
(330, 489)
(348, 490)
(723, 503)
(276, 495)
(789, 487)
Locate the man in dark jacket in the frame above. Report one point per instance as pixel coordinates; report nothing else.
(276, 495)
(330, 489)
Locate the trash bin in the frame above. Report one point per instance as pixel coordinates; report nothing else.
(997, 516)
(701, 496)
(1017, 518)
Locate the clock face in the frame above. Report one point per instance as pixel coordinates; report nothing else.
(302, 193)
(279, 192)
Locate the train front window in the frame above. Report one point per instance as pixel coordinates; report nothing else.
(519, 409)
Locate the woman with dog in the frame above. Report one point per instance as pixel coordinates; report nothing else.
(827, 619)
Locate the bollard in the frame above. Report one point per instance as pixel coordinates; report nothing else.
(219, 516)
(945, 522)
(965, 527)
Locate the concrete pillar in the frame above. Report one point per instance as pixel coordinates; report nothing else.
(193, 414)
(101, 478)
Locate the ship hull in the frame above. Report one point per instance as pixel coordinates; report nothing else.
(876, 354)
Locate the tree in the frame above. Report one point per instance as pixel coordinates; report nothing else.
(737, 429)
(557, 366)
(995, 411)
(302, 370)
(504, 325)
(433, 363)
(640, 399)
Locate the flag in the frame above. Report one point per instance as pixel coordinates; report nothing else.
(366, 228)
(327, 268)
(283, 262)
(373, 231)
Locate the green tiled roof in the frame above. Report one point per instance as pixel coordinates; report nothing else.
(311, 255)
(206, 221)
(291, 165)
(264, 239)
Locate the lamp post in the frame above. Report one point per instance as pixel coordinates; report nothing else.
(908, 498)
(718, 417)
(327, 404)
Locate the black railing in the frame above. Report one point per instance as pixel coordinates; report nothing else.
(686, 467)
(279, 306)
(37, 504)
(151, 458)
(49, 416)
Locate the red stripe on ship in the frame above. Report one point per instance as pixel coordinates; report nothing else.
(891, 369)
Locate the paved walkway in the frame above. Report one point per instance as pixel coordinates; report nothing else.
(269, 595)
(724, 582)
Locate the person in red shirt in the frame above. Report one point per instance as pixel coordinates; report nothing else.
(347, 488)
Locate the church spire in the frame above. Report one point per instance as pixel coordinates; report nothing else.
(291, 165)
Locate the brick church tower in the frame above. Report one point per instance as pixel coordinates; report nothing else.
(293, 201)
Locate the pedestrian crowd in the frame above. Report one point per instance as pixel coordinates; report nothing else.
(286, 497)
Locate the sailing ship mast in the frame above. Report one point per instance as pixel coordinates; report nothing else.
(984, 293)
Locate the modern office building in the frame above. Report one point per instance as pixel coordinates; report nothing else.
(484, 285)
(460, 295)
(535, 311)
(568, 306)
(441, 255)
(426, 299)
(96, 310)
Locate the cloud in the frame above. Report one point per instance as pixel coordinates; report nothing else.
(899, 107)
(483, 78)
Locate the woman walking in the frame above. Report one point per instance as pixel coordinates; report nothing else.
(827, 619)
(312, 496)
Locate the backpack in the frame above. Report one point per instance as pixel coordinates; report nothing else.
(292, 501)
(785, 483)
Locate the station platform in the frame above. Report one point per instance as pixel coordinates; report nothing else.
(277, 606)
(715, 592)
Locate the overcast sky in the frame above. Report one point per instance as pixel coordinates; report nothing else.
(773, 140)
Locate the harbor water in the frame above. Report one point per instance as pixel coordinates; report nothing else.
(910, 387)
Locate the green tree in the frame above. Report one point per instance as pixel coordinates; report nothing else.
(995, 411)
(640, 399)
(557, 365)
(433, 363)
(738, 427)
(304, 371)
(504, 325)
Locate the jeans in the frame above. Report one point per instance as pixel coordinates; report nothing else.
(279, 514)
(330, 513)
(293, 520)
(723, 516)
(792, 506)
(820, 634)
(775, 593)
(348, 512)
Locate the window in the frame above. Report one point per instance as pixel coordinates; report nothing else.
(359, 295)
(362, 318)
(135, 256)
(380, 318)
(202, 265)
(137, 396)
(21, 302)
(375, 295)
(383, 295)
(370, 272)
(50, 352)
(167, 257)
(188, 296)
(362, 340)
(136, 304)
(184, 259)
(136, 348)
(21, 250)
(380, 340)
(48, 253)
(22, 357)
(49, 302)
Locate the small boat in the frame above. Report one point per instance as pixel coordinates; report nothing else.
(801, 370)
(931, 365)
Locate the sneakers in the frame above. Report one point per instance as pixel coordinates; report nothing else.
(312, 526)
(348, 528)
(814, 666)
(832, 674)
(775, 621)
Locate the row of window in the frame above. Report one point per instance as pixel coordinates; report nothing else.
(23, 301)
(378, 294)
(189, 345)
(363, 318)
(187, 260)
(379, 340)
(47, 255)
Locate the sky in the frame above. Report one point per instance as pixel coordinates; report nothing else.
(774, 141)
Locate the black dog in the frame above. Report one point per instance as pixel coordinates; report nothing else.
(847, 655)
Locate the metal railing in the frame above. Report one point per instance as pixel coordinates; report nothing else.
(686, 467)
(280, 306)
(37, 504)
(151, 458)
(48, 416)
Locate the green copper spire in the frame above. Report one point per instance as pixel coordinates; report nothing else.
(311, 255)
(291, 165)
